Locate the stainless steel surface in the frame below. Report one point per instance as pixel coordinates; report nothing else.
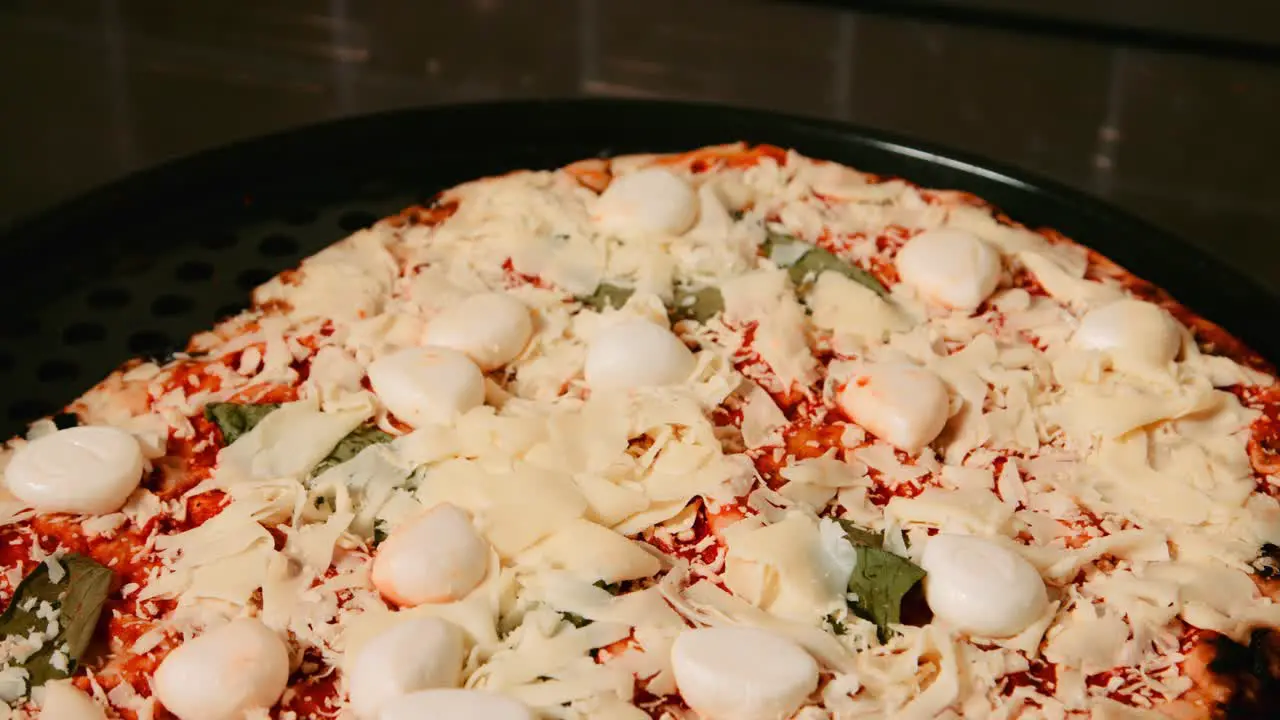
(95, 89)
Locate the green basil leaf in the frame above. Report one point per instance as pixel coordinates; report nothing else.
(861, 536)
(837, 627)
(575, 620)
(351, 445)
(380, 531)
(77, 599)
(611, 588)
(236, 419)
(880, 580)
(607, 296)
(807, 266)
(817, 261)
(697, 305)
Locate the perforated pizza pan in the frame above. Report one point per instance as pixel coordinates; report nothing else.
(137, 267)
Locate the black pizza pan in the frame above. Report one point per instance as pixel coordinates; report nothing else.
(136, 267)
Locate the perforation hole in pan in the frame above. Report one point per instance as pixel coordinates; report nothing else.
(148, 304)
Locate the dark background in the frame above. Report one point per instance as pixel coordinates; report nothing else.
(1167, 108)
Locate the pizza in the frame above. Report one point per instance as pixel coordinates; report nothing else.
(733, 434)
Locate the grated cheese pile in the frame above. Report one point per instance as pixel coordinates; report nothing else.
(615, 520)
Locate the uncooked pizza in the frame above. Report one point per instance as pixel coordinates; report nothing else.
(733, 435)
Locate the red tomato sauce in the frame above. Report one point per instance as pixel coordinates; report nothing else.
(691, 544)
(700, 161)
(1022, 278)
(1040, 676)
(1264, 433)
(310, 697)
(434, 214)
(880, 494)
(656, 706)
(515, 278)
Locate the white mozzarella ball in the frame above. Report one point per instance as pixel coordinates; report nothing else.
(489, 328)
(980, 586)
(427, 385)
(902, 404)
(1131, 331)
(435, 558)
(949, 267)
(654, 200)
(636, 353)
(742, 673)
(224, 673)
(64, 701)
(90, 469)
(413, 655)
(455, 705)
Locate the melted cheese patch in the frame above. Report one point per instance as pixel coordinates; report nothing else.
(784, 568)
(593, 552)
(765, 298)
(514, 506)
(848, 308)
